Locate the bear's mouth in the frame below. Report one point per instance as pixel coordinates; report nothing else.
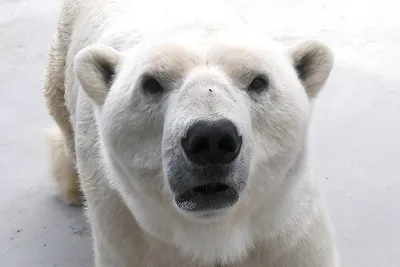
(210, 196)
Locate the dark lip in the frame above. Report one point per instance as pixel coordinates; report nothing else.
(211, 196)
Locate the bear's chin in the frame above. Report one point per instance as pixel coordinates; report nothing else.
(213, 249)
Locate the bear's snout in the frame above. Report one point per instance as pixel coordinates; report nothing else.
(211, 168)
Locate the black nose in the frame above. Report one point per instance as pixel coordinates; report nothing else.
(212, 142)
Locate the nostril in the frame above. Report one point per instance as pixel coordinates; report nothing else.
(200, 145)
(227, 144)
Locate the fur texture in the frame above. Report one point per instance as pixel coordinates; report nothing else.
(124, 141)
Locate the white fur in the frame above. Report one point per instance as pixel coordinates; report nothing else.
(125, 141)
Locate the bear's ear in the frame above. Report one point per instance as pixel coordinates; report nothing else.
(95, 68)
(313, 62)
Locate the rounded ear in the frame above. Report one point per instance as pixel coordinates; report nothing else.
(95, 67)
(313, 62)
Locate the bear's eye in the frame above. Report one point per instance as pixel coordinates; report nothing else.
(151, 85)
(258, 84)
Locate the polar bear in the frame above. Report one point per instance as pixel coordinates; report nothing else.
(184, 130)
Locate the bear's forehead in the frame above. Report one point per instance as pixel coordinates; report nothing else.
(174, 59)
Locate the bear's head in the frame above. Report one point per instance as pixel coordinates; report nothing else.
(199, 129)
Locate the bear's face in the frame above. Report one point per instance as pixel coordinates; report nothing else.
(201, 124)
